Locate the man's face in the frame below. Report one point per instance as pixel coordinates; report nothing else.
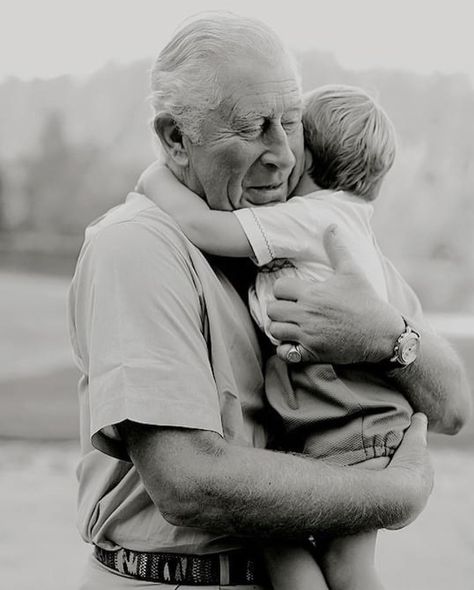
(251, 152)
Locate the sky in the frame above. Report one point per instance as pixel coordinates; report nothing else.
(49, 38)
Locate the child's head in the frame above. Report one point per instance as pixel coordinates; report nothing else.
(351, 140)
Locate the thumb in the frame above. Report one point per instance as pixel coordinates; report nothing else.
(417, 432)
(412, 449)
(338, 252)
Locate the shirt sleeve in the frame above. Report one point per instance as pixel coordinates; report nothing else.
(141, 327)
(285, 230)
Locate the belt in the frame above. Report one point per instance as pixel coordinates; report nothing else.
(232, 568)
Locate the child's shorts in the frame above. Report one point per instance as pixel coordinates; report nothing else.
(343, 414)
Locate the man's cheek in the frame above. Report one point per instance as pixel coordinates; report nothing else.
(219, 188)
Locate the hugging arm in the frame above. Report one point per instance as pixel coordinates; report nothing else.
(197, 479)
(337, 328)
(436, 384)
(215, 232)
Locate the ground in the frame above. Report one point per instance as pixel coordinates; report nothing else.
(40, 547)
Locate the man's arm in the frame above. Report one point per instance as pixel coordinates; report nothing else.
(335, 327)
(436, 383)
(197, 479)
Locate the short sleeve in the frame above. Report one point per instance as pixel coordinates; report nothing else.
(285, 230)
(256, 236)
(139, 318)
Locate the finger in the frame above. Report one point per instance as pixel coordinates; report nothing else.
(284, 331)
(339, 255)
(290, 289)
(282, 311)
(417, 432)
(282, 352)
(413, 458)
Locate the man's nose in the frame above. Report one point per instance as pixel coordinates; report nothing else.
(278, 152)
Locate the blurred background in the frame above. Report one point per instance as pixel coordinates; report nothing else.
(74, 137)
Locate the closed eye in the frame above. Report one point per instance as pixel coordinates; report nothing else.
(251, 128)
(291, 124)
(251, 132)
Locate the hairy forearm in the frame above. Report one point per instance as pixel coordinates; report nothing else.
(198, 480)
(436, 384)
(267, 494)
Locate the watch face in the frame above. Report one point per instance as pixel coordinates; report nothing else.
(409, 349)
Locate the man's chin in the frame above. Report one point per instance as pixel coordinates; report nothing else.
(264, 197)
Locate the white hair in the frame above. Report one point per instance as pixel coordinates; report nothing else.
(185, 76)
(350, 137)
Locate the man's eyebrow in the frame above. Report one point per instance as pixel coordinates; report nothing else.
(239, 117)
(248, 116)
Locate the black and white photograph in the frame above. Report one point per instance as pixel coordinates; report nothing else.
(236, 295)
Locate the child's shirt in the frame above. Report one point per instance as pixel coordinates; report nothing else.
(287, 240)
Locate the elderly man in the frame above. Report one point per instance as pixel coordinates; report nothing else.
(174, 470)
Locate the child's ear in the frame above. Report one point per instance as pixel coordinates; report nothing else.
(171, 138)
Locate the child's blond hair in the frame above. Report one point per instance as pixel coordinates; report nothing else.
(350, 137)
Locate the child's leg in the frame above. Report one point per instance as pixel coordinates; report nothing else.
(348, 562)
(292, 567)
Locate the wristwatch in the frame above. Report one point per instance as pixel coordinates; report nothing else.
(405, 349)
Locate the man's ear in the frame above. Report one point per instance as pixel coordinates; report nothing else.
(171, 138)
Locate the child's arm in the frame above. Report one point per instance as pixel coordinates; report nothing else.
(215, 232)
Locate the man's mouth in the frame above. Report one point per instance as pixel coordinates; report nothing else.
(266, 193)
(273, 186)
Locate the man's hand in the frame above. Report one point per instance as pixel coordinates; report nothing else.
(341, 320)
(411, 461)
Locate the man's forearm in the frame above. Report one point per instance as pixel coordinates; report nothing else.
(197, 479)
(267, 494)
(436, 384)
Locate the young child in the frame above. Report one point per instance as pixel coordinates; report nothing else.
(346, 415)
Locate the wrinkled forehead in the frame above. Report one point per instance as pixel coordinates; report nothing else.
(265, 86)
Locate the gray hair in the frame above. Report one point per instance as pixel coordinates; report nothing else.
(350, 137)
(184, 77)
